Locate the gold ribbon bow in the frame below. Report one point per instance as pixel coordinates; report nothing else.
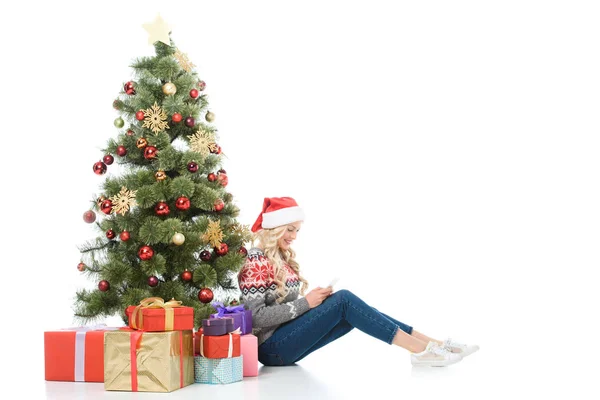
(155, 302)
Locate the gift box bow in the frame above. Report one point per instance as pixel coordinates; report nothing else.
(222, 310)
(155, 302)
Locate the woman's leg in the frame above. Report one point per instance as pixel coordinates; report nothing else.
(423, 338)
(323, 324)
(337, 332)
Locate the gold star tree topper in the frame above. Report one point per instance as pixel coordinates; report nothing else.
(158, 31)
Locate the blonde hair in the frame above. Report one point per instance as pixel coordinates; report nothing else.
(268, 242)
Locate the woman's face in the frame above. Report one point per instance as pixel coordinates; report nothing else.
(289, 235)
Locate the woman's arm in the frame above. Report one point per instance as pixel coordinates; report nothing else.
(259, 291)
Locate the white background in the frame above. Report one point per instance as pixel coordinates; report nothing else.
(445, 153)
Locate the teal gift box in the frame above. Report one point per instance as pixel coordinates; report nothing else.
(218, 370)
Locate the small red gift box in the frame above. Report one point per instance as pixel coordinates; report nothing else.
(223, 346)
(154, 315)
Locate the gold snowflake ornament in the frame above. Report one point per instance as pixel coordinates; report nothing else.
(202, 142)
(155, 118)
(123, 201)
(242, 231)
(213, 234)
(184, 61)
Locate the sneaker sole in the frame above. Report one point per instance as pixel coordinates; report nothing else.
(433, 363)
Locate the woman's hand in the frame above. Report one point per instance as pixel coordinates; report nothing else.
(317, 295)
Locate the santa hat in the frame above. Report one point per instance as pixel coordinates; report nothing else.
(278, 211)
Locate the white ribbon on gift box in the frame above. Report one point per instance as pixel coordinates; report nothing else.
(80, 333)
(230, 348)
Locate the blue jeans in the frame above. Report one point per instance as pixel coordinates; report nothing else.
(337, 315)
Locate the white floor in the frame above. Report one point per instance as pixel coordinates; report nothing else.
(357, 366)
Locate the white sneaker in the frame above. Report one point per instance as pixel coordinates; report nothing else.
(434, 355)
(459, 348)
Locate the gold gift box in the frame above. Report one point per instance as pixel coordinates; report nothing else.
(148, 361)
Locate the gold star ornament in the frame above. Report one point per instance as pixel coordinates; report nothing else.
(155, 119)
(213, 234)
(158, 31)
(202, 142)
(123, 201)
(184, 61)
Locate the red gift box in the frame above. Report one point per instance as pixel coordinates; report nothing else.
(223, 346)
(75, 355)
(154, 315)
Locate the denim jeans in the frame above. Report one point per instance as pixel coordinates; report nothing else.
(337, 315)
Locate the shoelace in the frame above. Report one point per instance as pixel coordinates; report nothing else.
(439, 350)
(450, 343)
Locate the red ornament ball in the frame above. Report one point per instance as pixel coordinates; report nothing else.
(124, 236)
(190, 122)
(103, 285)
(81, 267)
(150, 152)
(129, 89)
(99, 168)
(145, 253)
(139, 115)
(223, 180)
(216, 149)
(108, 159)
(176, 118)
(182, 203)
(186, 276)
(162, 209)
(243, 251)
(205, 255)
(205, 295)
(89, 216)
(222, 249)
(106, 206)
(121, 151)
(192, 167)
(194, 93)
(219, 205)
(153, 281)
(211, 177)
(130, 132)
(201, 85)
(110, 234)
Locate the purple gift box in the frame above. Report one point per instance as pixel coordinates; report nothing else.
(242, 318)
(217, 326)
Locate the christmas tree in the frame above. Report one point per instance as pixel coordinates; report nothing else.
(167, 225)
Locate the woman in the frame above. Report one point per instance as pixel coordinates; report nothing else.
(290, 327)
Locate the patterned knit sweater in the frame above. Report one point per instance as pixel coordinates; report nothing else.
(259, 292)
